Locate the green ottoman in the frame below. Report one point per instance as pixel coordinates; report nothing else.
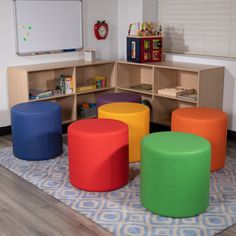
(175, 174)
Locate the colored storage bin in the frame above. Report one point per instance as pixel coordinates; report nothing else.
(98, 154)
(208, 123)
(118, 97)
(136, 116)
(175, 174)
(36, 130)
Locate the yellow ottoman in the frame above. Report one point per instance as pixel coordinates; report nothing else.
(136, 116)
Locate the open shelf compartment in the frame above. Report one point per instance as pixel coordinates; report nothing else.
(165, 107)
(135, 77)
(165, 78)
(97, 76)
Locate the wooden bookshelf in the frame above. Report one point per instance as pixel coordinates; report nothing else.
(206, 80)
(42, 76)
(121, 76)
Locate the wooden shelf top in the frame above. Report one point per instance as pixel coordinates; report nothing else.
(95, 90)
(59, 65)
(174, 65)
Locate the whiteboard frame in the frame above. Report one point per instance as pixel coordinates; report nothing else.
(48, 51)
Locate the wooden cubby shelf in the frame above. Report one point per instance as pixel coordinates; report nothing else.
(42, 76)
(146, 79)
(207, 82)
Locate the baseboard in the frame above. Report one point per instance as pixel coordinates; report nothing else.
(5, 130)
(153, 128)
(231, 134)
(64, 128)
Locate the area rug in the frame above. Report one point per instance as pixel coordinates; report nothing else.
(120, 211)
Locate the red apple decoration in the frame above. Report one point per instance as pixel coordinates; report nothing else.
(101, 30)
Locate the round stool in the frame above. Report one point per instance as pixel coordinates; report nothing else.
(118, 97)
(208, 123)
(175, 174)
(136, 116)
(98, 154)
(36, 130)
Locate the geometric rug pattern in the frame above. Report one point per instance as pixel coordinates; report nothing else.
(120, 211)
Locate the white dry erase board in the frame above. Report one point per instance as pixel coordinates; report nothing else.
(47, 26)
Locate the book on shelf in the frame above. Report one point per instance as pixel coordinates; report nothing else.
(39, 93)
(100, 81)
(190, 96)
(65, 84)
(84, 86)
(175, 91)
(142, 87)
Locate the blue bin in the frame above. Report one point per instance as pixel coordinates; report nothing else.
(36, 130)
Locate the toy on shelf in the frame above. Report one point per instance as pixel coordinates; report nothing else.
(144, 44)
(144, 29)
(100, 81)
(87, 110)
(65, 84)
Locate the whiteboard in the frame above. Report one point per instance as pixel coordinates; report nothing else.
(47, 26)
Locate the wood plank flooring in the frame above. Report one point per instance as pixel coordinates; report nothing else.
(27, 211)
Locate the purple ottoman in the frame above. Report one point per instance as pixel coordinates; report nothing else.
(118, 97)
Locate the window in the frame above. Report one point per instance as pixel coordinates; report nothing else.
(206, 27)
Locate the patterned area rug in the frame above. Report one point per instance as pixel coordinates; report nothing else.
(120, 211)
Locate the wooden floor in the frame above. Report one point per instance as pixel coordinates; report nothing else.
(27, 211)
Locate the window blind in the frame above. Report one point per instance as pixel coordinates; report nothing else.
(206, 27)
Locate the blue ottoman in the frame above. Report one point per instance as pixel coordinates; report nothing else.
(36, 130)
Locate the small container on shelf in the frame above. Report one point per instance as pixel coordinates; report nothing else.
(87, 110)
(89, 55)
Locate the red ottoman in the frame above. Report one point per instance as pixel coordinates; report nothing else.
(98, 154)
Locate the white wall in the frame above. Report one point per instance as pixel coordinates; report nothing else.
(133, 11)
(129, 11)
(150, 10)
(92, 11)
